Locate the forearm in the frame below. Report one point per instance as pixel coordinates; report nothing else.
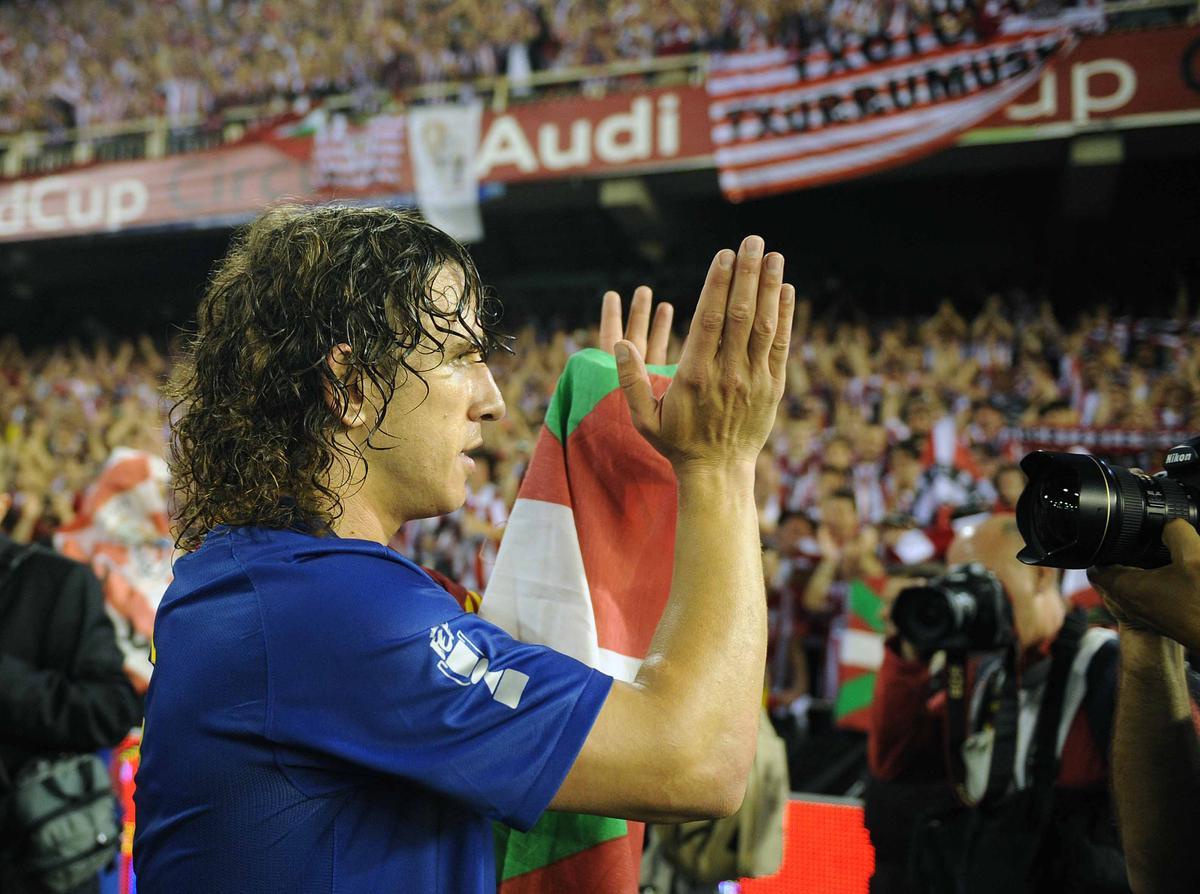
(1156, 765)
(704, 669)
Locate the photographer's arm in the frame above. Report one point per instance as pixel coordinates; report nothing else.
(903, 732)
(1156, 752)
(86, 706)
(678, 742)
(1156, 765)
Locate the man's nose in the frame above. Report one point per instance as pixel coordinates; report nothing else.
(489, 405)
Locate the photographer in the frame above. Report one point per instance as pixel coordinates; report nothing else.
(1057, 836)
(1156, 752)
(62, 691)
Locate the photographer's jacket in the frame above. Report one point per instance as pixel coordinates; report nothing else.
(908, 716)
(62, 687)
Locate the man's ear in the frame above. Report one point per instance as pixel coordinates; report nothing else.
(349, 405)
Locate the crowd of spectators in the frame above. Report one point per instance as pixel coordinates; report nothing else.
(888, 432)
(74, 63)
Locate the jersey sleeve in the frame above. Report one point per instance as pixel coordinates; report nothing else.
(454, 705)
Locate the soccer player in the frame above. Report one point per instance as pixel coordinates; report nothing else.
(322, 716)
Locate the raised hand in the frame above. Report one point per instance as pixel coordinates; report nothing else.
(650, 339)
(720, 407)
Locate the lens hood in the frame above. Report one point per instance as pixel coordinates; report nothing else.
(1066, 512)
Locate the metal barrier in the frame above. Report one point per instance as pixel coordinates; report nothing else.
(37, 152)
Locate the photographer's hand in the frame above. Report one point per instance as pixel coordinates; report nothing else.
(1163, 600)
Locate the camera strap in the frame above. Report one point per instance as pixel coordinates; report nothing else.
(1004, 707)
(1042, 762)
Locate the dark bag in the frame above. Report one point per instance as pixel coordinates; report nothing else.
(991, 849)
(66, 816)
(1035, 839)
(60, 812)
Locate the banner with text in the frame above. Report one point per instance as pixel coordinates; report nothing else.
(785, 119)
(1127, 79)
(327, 157)
(779, 121)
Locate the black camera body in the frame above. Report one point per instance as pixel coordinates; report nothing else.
(1078, 511)
(964, 610)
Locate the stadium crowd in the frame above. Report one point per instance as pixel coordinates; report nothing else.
(888, 432)
(75, 64)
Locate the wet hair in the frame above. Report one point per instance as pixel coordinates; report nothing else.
(256, 403)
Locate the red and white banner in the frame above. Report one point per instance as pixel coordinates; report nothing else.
(784, 120)
(778, 121)
(1125, 79)
(324, 158)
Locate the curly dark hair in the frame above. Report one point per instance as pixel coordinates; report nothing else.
(253, 432)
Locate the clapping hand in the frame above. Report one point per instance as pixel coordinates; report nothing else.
(720, 406)
(650, 339)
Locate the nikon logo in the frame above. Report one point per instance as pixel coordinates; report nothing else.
(1180, 456)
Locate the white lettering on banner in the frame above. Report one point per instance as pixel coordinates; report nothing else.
(505, 144)
(625, 137)
(25, 207)
(12, 209)
(576, 154)
(38, 217)
(85, 219)
(120, 211)
(1083, 102)
(648, 129)
(1045, 106)
(668, 126)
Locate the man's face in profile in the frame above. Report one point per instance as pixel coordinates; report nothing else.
(418, 465)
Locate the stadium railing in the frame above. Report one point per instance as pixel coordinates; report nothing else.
(34, 153)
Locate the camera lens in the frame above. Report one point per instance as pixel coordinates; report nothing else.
(923, 616)
(931, 615)
(1056, 510)
(962, 610)
(1078, 511)
(1067, 511)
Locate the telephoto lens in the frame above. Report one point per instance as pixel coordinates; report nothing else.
(964, 610)
(1078, 511)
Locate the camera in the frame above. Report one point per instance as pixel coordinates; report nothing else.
(964, 610)
(1078, 511)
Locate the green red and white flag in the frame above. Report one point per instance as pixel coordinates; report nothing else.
(585, 567)
(860, 653)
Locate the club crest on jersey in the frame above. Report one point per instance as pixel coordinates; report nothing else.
(463, 662)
